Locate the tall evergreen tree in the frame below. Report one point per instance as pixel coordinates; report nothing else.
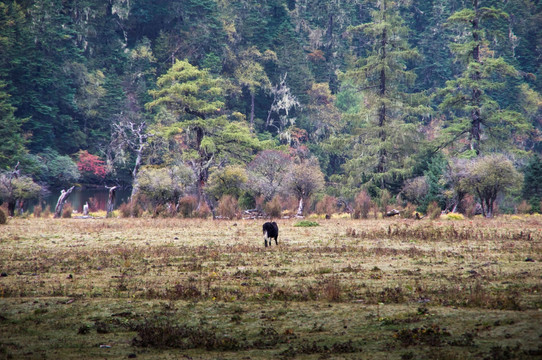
(385, 137)
(200, 125)
(476, 117)
(12, 142)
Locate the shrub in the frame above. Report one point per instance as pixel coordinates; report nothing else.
(3, 217)
(229, 180)
(415, 189)
(47, 212)
(92, 204)
(187, 205)
(204, 211)
(67, 211)
(454, 216)
(247, 201)
(291, 203)
(137, 210)
(362, 206)
(524, 207)
(536, 205)
(131, 209)
(328, 205)
(469, 204)
(91, 166)
(162, 210)
(125, 210)
(228, 207)
(57, 170)
(38, 209)
(433, 210)
(274, 208)
(385, 198)
(408, 211)
(375, 212)
(306, 223)
(163, 185)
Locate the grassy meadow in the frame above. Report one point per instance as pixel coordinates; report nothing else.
(201, 289)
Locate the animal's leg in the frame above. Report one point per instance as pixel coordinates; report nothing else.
(276, 241)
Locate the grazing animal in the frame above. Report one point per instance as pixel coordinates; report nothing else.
(270, 231)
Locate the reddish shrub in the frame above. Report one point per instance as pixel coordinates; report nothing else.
(67, 211)
(38, 209)
(328, 205)
(187, 205)
(228, 207)
(274, 208)
(203, 211)
(89, 163)
(363, 205)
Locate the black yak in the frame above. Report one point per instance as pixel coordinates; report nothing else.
(270, 231)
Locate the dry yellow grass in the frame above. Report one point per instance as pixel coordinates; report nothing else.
(345, 289)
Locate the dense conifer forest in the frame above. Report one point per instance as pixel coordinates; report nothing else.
(207, 106)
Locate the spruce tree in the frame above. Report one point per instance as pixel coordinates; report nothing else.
(475, 117)
(385, 135)
(12, 143)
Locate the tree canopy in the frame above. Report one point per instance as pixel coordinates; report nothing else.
(388, 96)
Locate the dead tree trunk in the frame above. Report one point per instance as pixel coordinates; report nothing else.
(12, 203)
(111, 200)
(300, 209)
(61, 201)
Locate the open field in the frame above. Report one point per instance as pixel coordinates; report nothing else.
(202, 289)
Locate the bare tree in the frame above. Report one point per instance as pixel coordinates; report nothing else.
(267, 172)
(283, 102)
(130, 134)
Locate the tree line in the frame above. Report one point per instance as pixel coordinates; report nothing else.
(205, 103)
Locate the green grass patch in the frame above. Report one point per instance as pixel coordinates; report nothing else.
(306, 223)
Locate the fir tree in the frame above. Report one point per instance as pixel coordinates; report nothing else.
(384, 141)
(12, 143)
(476, 117)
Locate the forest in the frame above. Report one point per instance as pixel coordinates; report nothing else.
(214, 106)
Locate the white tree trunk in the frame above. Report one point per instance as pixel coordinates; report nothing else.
(61, 201)
(111, 200)
(300, 208)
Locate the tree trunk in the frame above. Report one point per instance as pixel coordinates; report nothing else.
(476, 117)
(61, 201)
(19, 206)
(300, 208)
(11, 207)
(252, 95)
(382, 111)
(111, 200)
(135, 171)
